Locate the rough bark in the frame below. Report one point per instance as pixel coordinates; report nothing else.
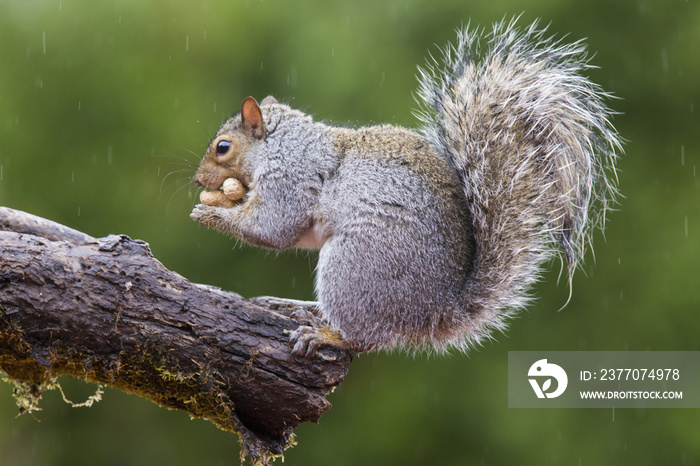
(105, 310)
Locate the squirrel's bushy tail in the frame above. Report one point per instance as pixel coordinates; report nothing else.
(531, 139)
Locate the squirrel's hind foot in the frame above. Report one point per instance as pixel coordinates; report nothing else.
(306, 340)
(303, 312)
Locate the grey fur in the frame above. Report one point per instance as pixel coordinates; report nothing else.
(432, 241)
(531, 137)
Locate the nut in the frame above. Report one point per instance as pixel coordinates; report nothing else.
(233, 189)
(215, 199)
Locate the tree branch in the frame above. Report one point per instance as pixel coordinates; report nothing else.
(106, 311)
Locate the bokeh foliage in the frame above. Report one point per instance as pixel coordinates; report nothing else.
(106, 106)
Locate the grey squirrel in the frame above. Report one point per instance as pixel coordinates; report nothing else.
(428, 239)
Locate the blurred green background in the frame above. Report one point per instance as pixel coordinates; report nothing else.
(106, 106)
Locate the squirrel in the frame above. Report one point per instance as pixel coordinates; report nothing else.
(429, 239)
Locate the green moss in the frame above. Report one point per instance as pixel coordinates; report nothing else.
(27, 395)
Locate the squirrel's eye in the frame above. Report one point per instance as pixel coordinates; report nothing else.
(222, 147)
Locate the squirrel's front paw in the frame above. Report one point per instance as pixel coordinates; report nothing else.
(209, 216)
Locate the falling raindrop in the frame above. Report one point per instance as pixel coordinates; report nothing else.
(664, 60)
(293, 76)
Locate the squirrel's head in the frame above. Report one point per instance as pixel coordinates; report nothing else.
(225, 157)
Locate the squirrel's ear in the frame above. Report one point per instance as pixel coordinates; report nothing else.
(251, 117)
(269, 100)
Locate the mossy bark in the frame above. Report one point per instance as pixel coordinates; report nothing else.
(105, 310)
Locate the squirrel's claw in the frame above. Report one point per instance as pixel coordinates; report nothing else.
(306, 317)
